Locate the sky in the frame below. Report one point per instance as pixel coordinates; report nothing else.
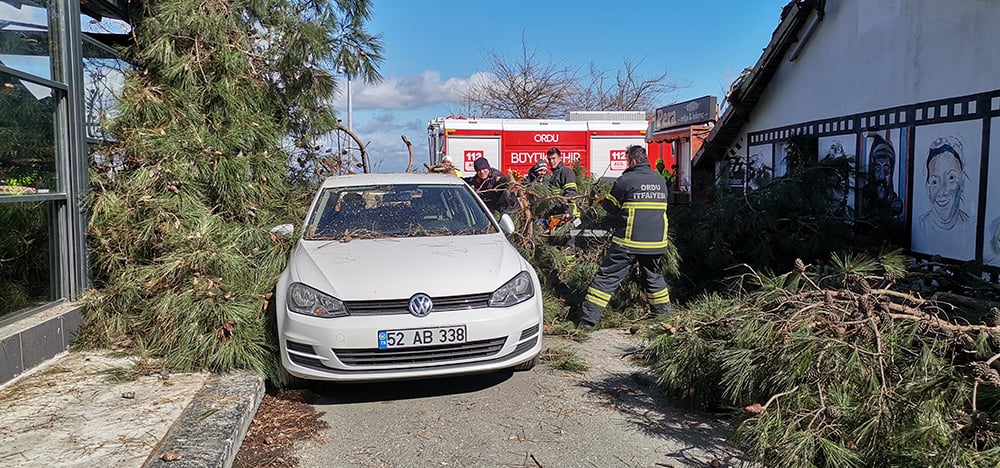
(433, 49)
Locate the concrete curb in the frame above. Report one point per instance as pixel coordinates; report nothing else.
(210, 430)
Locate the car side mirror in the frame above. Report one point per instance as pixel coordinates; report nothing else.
(506, 224)
(283, 230)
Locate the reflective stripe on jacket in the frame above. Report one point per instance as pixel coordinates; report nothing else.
(563, 182)
(638, 205)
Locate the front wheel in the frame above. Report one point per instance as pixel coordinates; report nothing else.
(527, 365)
(291, 382)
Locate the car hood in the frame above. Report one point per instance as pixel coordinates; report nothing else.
(397, 268)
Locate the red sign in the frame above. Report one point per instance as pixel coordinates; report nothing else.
(619, 162)
(547, 139)
(469, 159)
(521, 158)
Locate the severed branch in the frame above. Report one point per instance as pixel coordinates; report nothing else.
(409, 147)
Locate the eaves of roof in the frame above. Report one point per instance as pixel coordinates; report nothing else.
(117, 9)
(747, 92)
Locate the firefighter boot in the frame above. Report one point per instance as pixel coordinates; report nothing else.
(662, 312)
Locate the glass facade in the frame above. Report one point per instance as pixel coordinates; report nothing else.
(59, 81)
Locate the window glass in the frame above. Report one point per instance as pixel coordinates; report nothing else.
(403, 210)
(103, 78)
(24, 36)
(25, 269)
(27, 137)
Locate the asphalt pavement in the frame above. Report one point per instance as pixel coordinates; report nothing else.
(77, 410)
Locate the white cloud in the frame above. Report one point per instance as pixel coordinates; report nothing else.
(400, 106)
(408, 92)
(26, 14)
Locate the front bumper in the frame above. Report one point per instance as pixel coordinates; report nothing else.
(345, 349)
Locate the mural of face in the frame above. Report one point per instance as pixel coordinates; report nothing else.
(945, 181)
(836, 150)
(883, 161)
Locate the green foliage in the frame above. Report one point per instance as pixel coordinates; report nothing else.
(27, 135)
(567, 263)
(563, 358)
(182, 202)
(803, 215)
(834, 367)
(24, 255)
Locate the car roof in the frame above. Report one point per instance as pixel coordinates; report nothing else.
(392, 178)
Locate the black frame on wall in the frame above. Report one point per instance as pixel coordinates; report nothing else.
(980, 106)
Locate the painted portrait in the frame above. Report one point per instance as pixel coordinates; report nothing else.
(991, 238)
(884, 161)
(760, 165)
(841, 146)
(946, 163)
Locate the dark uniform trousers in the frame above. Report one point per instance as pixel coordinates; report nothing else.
(614, 268)
(637, 204)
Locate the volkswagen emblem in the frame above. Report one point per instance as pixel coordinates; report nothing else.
(421, 305)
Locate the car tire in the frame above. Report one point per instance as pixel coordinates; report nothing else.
(291, 382)
(527, 365)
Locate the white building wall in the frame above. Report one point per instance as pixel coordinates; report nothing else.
(874, 54)
(869, 73)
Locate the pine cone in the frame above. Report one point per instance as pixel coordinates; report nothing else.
(866, 305)
(832, 412)
(993, 317)
(891, 276)
(800, 266)
(864, 287)
(811, 376)
(829, 298)
(984, 372)
(981, 420)
(979, 369)
(863, 331)
(883, 311)
(895, 373)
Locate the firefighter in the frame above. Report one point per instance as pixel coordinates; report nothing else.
(491, 185)
(637, 204)
(561, 181)
(450, 166)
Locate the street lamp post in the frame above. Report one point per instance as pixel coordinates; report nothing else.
(350, 110)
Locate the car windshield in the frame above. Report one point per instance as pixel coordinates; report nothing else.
(400, 210)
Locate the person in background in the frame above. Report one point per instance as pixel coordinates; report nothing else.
(537, 172)
(491, 185)
(450, 165)
(661, 169)
(637, 205)
(561, 182)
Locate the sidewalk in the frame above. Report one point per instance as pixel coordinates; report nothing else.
(71, 412)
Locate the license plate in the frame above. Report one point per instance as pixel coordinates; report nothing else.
(420, 337)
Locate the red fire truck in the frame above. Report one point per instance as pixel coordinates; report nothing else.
(595, 140)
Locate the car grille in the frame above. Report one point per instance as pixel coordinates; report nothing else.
(402, 306)
(528, 332)
(428, 355)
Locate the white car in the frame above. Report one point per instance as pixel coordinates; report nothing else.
(401, 276)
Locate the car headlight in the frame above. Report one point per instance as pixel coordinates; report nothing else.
(307, 301)
(516, 291)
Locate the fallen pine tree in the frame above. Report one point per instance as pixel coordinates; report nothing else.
(855, 363)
